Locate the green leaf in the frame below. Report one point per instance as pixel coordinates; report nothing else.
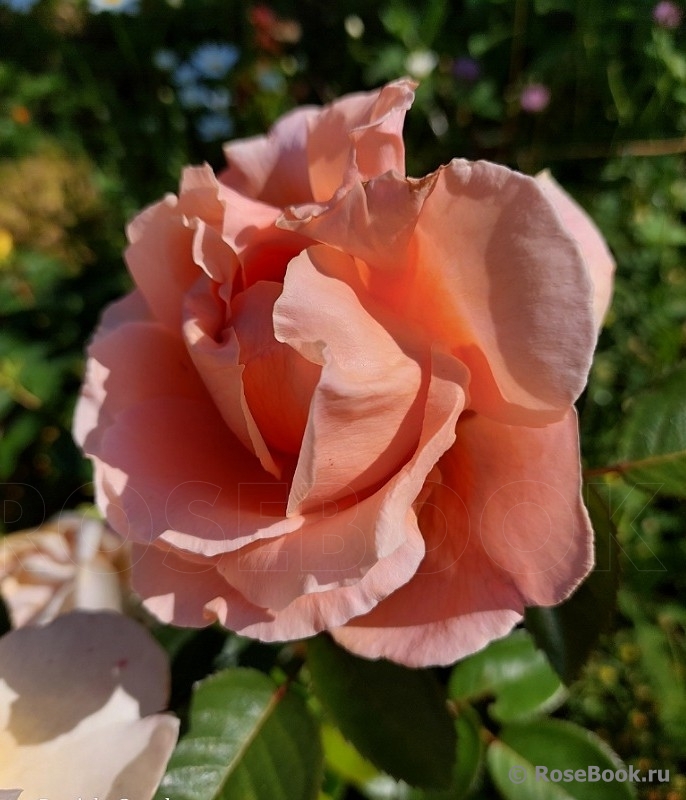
(556, 745)
(569, 632)
(515, 673)
(653, 440)
(470, 759)
(342, 757)
(248, 740)
(396, 717)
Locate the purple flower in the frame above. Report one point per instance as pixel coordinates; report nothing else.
(667, 14)
(466, 69)
(534, 98)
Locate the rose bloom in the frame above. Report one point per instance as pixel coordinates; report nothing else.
(342, 399)
(78, 710)
(71, 562)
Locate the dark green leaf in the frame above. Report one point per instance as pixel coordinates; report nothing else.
(396, 717)
(375, 785)
(344, 759)
(568, 632)
(248, 740)
(515, 673)
(653, 441)
(470, 759)
(556, 745)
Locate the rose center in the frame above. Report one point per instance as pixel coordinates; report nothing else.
(277, 381)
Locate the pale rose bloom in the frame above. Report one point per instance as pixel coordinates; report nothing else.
(71, 562)
(79, 703)
(342, 399)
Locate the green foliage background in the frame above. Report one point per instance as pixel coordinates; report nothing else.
(92, 128)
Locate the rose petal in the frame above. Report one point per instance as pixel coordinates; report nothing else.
(216, 356)
(69, 562)
(273, 168)
(590, 240)
(278, 382)
(515, 308)
(311, 152)
(508, 290)
(505, 528)
(369, 387)
(173, 470)
(66, 732)
(320, 580)
(186, 589)
(161, 237)
(358, 136)
(156, 365)
(374, 221)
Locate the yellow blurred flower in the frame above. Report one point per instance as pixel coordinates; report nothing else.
(46, 198)
(6, 245)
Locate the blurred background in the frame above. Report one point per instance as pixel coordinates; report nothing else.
(103, 101)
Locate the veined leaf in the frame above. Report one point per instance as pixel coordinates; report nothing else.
(553, 744)
(515, 673)
(653, 442)
(248, 740)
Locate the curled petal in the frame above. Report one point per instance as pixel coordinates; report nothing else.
(369, 388)
(311, 153)
(358, 136)
(508, 290)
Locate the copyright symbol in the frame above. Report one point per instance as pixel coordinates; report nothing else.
(517, 774)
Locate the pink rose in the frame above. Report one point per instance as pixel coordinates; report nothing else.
(342, 399)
